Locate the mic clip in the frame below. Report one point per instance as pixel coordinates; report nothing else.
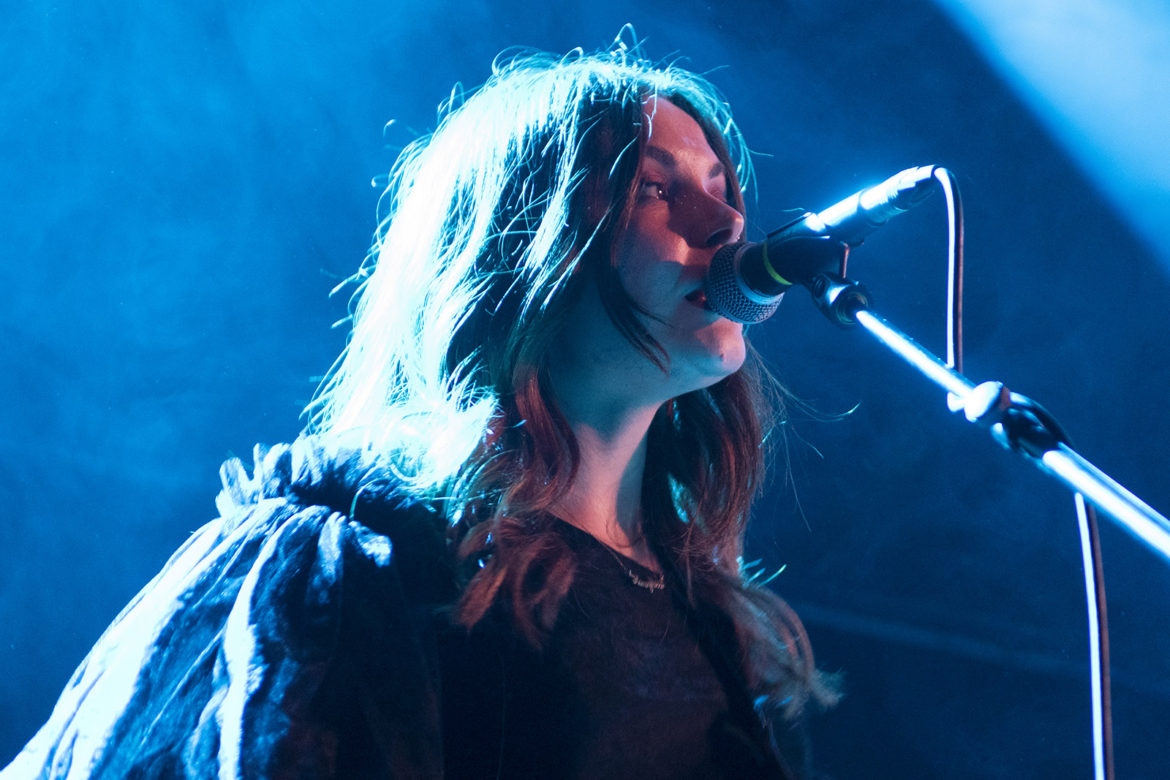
(838, 297)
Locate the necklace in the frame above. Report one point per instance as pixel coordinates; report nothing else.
(657, 583)
(653, 583)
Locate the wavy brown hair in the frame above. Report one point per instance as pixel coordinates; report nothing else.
(492, 230)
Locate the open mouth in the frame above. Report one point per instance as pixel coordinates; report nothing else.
(699, 298)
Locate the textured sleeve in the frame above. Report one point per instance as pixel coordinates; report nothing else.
(277, 642)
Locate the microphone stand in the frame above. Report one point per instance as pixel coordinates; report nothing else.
(1015, 421)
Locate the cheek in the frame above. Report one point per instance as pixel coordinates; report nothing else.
(631, 271)
(644, 274)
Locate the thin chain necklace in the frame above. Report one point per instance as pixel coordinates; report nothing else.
(652, 584)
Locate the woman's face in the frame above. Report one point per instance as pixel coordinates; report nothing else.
(680, 219)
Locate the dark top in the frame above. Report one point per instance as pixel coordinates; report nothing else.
(295, 637)
(622, 688)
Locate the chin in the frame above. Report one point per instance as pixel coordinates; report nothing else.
(731, 360)
(717, 360)
(728, 346)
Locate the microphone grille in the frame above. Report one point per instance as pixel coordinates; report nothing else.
(726, 293)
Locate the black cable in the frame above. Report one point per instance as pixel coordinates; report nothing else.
(1031, 414)
(950, 188)
(1098, 638)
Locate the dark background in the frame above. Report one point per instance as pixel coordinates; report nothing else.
(184, 183)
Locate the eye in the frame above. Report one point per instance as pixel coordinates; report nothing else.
(653, 190)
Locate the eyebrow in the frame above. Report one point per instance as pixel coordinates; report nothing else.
(664, 157)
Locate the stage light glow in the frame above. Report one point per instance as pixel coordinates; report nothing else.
(1095, 72)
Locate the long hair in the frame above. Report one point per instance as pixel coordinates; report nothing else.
(492, 226)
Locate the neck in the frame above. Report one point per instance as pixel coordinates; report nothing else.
(605, 498)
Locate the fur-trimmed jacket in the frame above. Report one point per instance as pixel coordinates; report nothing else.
(282, 640)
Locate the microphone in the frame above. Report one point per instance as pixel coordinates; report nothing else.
(746, 281)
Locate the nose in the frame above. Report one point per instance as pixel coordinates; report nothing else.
(714, 222)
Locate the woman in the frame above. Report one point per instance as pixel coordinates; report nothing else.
(509, 542)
